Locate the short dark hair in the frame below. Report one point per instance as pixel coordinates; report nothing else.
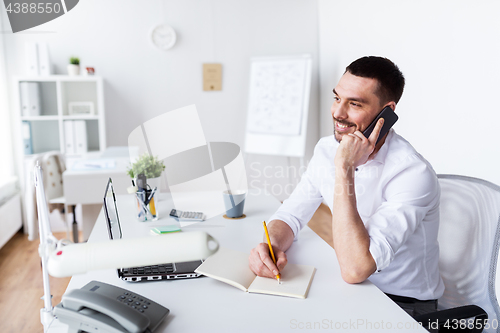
(391, 81)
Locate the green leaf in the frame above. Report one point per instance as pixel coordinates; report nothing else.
(148, 165)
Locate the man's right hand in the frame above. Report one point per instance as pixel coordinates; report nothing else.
(262, 264)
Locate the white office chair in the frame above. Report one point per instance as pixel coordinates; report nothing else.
(469, 235)
(53, 165)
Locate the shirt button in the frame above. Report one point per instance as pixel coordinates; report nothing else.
(356, 169)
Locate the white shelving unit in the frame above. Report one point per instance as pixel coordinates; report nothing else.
(47, 129)
(56, 92)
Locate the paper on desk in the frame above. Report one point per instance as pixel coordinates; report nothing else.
(93, 164)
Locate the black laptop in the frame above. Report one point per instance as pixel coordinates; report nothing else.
(179, 270)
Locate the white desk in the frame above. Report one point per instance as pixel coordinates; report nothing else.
(207, 305)
(86, 187)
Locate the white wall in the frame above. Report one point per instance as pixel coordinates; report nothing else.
(143, 82)
(6, 162)
(449, 52)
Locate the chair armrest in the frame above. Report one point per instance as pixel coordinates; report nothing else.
(449, 320)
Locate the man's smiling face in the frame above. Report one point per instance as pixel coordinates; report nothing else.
(355, 104)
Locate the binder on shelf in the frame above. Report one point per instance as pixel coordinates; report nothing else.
(30, 98)
(24, 92)
(69, 147)
(75, 137)
(27, 143)
(80, 138)
(44, 60)
(31, 52)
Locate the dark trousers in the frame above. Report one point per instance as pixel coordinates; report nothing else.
(413, 306)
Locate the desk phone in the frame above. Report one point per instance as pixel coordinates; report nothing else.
(101, 307)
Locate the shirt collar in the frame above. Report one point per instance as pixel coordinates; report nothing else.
(382, 153)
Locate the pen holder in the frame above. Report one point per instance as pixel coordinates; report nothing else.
(146, 205)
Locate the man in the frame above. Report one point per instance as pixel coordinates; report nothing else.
(384, 197)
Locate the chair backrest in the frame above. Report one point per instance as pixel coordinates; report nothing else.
(53, 167)
(52, 181)
(469, 234)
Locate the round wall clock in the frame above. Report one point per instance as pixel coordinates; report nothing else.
(163, 36)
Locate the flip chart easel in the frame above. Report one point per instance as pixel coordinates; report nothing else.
(278, 106)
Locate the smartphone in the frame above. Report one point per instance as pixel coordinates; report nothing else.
(390, 119)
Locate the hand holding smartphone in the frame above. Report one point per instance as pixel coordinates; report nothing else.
(390, 119)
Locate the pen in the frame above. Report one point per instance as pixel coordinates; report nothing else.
(151, 202)
(151, 195)
(152, 206)
(139, 207)
(141, 202)
(278, 276)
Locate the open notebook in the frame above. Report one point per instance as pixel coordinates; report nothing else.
(231, 267)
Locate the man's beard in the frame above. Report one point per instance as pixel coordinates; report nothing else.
(340, 122)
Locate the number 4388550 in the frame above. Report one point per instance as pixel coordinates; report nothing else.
(33, 8)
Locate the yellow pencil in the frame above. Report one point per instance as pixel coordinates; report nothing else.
(278, 277)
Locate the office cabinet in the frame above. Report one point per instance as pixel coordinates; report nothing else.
(56, 112)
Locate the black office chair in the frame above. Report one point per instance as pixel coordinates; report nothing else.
(469, 235)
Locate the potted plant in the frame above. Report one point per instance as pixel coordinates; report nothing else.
(74, 66)
(150, 166)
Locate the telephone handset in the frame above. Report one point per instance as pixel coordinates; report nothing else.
(101, 307)
(390, 119)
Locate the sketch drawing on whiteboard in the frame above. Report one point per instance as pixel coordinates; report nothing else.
(276, 96)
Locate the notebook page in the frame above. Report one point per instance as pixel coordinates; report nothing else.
(295, 282)
(228, 266)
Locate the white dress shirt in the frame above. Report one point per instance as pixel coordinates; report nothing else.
(397, 196)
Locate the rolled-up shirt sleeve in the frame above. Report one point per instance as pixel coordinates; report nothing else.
(408, 196)
(298, 209)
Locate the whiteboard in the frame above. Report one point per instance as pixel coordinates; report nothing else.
(278, 105)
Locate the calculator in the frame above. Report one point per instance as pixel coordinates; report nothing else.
(192, 216)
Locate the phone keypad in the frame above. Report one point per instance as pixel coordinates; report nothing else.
(133, 301)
